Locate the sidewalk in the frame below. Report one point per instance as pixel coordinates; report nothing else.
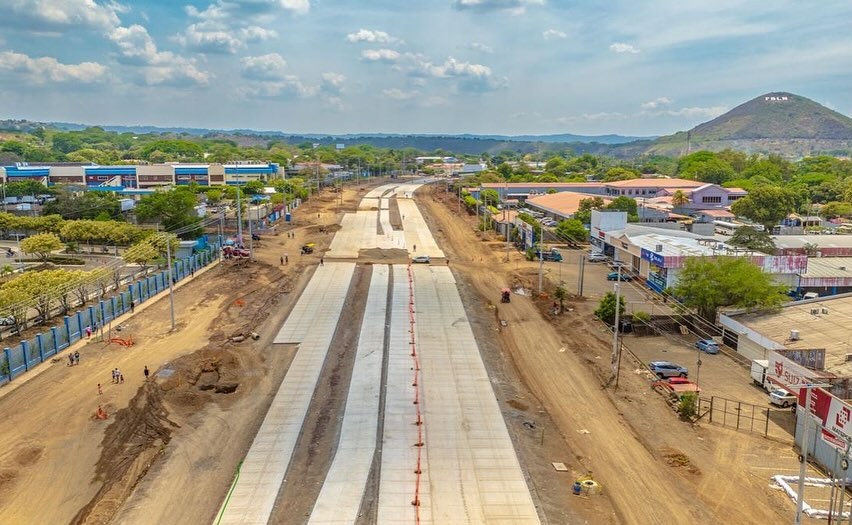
(82, 343)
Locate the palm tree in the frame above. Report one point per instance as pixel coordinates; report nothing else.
(679, 199)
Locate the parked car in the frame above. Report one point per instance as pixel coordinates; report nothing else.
(422, 259)
(596, 257)
(707, 345)
(667, 369)
(7, 321)
(613, 276)
(782, 398)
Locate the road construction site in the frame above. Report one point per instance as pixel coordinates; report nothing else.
(371, 391)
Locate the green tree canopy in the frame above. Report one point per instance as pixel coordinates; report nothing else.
(766, 205)
(753, 239)
(707, 284)
(606, 308)
(571, 230)
(173, 209)
(88, 205)
(41, 244)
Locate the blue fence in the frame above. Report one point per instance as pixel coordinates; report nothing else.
(32, 352)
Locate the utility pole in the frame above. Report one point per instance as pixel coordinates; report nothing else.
(251, 239)
(580, 279)
(239, 213)
(171, 279)
(616, 349)
(540, 264)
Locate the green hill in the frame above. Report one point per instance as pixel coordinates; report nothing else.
(782, 123)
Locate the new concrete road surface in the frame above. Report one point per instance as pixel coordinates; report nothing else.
(445, 455)
(311, 324)
(341, 494)
(474, 474)
(370, 226)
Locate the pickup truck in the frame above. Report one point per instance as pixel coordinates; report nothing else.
(552, 255)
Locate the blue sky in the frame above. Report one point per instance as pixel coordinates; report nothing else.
(417, 66)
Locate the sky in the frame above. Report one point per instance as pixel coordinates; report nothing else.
(417, 66)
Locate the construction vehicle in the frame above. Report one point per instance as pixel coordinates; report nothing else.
(308, 248)
(505, 295)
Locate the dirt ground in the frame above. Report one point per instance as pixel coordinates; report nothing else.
(653, 467)
(171, 445)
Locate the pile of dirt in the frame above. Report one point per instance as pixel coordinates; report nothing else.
(384, 256)
(677, 459)
(130, 445)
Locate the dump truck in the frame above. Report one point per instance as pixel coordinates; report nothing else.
(760, 374)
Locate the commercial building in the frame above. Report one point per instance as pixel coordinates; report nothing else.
(699, 195)
(657, 255)
(126, 178)
(806, 342)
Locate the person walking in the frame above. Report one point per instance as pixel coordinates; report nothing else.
(115, 375)
(88, 335)
(120, 377)
(77, 358)
(100, 391)
(70, 359)
(282, 261)
(132, 305)
(192, 272)
(146, 372)
(286, 259)
(322, 261)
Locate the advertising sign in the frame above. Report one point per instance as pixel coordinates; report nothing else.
(785, 372)
(654, 257)
(813, 358)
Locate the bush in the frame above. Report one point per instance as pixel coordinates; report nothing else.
(687, 407)
(642, 317)
(58, 259)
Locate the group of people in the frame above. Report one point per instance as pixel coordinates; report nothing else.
(74, 358)
(117, 376)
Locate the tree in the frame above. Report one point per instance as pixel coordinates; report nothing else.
(173, 209)
(679, 199)
(619, 173)
(584, 209)
(766, 205)
(214, 195)
(753, 239)
(142, 254)
(86, 206)
(560, 294)
(833, 210)
(571, 230)
(706, 167)
(707, 284)
(606, 308)
(41, 244)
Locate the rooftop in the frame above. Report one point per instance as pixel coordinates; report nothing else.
(828, 268)
(660, 182)
(828, 328)
(563, 203)
(676, 246)
(821, 241)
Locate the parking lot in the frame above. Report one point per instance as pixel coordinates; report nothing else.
(718, 376)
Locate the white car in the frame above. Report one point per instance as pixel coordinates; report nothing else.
(782, 398)
(597, 257)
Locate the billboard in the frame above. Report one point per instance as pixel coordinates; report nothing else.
(785, 372)
(813, 358)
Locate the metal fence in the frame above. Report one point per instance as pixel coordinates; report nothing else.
(29, 353)
(759, 419)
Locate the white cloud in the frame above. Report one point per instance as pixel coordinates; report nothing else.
(137, 48)
(271, 66)
(398, 94)
(696, 112)
(288, 87)
(656, 103)
(332, 83)
(482, 48)
(45, 15)
(515, 7)
(380, 55)
(554, 34)
(235, 11)
(374, 37)
(48, 69)
(226, 26)
(620, 47)
(333, 103)
(592, 117)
